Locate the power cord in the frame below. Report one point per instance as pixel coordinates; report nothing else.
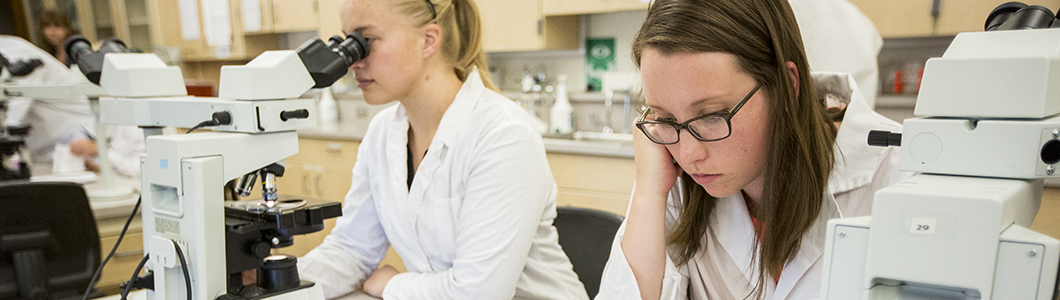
(133, 282)
(217, 119)
(183, 266)
(124, 229)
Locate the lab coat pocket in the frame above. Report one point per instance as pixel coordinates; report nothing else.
(439, 232)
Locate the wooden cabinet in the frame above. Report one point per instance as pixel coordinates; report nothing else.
(507, 25)
(129, 253)
(96, 20)
(518, 25)
(601, 183)
(166, 22)
(286, 16)
(567, 7)
(912, 18)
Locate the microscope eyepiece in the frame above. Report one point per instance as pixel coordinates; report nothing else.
(91, 62)
(328, 62)
(1018, 16)
(354, 48)
(76, 47)
(24, 67)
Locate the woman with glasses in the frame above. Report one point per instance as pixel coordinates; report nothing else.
(453, 176)
(740, 160)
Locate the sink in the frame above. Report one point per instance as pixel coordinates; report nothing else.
(592, 136)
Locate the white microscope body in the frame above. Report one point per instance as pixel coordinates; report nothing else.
(188, 228)
(987, 133)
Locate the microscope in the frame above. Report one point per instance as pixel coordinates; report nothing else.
(12, 138)
(196, 245)
(986, 135)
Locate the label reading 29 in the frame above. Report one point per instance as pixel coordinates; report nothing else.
(922, 226)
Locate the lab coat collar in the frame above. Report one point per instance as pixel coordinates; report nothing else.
(452, 124)
(731, 225)
(856, 161)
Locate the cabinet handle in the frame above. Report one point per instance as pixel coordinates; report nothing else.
(334, 147)
(305, 184)
(139, 252)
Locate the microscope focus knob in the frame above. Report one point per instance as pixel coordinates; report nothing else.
(280, 272)
(261, 250)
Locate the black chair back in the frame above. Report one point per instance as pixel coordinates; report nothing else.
(49, 244)
(586, 236)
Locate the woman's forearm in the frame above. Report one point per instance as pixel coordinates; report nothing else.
(644, 242)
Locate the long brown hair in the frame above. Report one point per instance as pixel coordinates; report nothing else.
(461, 33)
(764, 36)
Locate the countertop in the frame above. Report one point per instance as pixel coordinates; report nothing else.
(354, 131)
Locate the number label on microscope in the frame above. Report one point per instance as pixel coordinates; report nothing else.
(922, 226)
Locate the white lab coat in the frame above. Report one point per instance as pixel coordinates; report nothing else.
(838, 37)
(859, 171)
(53, 121)
(476, 223)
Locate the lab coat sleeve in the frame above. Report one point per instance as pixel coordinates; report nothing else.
(355, 247)
(127, 145)
(618, 281)
(508, 186)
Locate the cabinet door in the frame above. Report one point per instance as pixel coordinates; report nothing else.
(328, 18)
(510, 25)
(898, 18)
(580, 7)
(970, 15)
(294, 15)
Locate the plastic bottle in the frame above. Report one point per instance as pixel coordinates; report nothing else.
(328, 108)
(562, 117)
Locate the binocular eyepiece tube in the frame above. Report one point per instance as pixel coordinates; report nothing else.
(327, 63)
(1019, 16)
(91, 62)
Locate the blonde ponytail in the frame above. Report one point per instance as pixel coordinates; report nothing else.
(461, 31)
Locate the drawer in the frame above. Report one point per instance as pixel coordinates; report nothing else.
(330, 152)
(605, 174)
(615, 203)
(120, 267)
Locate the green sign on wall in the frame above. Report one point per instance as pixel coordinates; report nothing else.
(599, 58)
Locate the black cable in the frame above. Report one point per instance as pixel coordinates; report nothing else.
(201, 125)
(115, 249)
(128, 287)
(184, 266)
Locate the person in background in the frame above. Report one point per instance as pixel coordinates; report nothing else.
(838, 37)
(125, 148)
(739, 162)
(53, 121)
(452, 176)
(55, 28)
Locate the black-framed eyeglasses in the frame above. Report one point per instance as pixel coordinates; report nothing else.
(707, 128)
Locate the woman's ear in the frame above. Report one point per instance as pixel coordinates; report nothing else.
(432, 39)
(793, 71)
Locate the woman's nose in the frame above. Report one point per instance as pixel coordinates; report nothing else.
(357, 65)
(690, 149)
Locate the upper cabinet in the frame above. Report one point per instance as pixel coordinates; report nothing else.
(912, 18)
(209, 30)
(507, 25)
(518, 25)
(128, 20)
(278, 16)
(578, 7)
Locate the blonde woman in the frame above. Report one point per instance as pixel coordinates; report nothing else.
(742, 157)
(453, 176)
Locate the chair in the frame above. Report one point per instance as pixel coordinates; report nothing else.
(49, 245)
(586, 236)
